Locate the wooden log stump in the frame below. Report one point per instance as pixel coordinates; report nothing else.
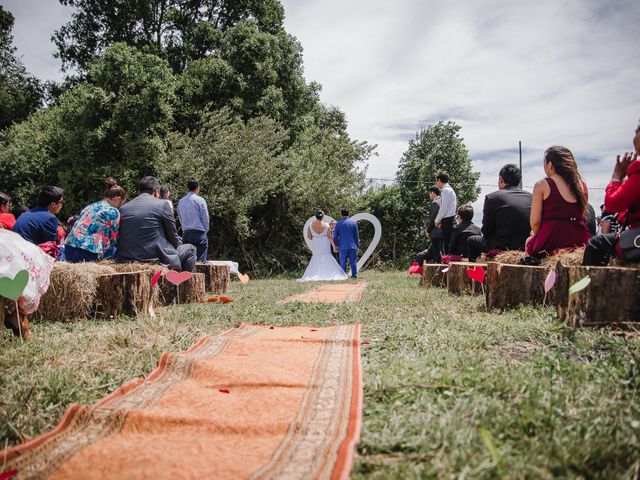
(128, 293)
(458, 282)
(216, 277)
(612, 297)
(191, 291)
(432, 275)
(508, 286)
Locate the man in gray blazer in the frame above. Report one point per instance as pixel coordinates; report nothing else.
(148, 231)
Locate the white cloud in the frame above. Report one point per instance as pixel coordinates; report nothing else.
(544, 72)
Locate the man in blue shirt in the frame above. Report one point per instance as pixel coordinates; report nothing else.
(194, 218)
(347, 237)
(40, 225)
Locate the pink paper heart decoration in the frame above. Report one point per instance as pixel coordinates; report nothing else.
(244, 278)
(445, 270)
(155, 278)
(177, 277)
(550, 281)
(476, 274)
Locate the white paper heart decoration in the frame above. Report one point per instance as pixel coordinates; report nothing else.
(367, 217)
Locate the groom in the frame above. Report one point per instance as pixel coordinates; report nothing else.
(347, 238)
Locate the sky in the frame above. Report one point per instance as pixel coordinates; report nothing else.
(545, 73)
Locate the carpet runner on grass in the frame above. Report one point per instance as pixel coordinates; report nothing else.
(336, 293)
(253, 402)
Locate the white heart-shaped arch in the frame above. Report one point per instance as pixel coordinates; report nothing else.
(367, 217)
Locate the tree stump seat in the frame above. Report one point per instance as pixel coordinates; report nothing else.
(217, 278)
(509, 286)
(458, 282)
(612, 297)
(191, 291)
(126, 293)
(432, 275)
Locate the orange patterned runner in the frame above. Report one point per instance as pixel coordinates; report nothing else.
(336, 293)
(254, 402)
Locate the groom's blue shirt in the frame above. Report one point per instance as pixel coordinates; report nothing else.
(346, 234)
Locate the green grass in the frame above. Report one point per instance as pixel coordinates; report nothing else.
(450, 390)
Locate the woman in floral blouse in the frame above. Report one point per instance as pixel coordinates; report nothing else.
(95, 233)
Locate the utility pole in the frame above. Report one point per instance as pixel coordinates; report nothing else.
(520, 149)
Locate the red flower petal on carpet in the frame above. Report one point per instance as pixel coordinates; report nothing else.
(313, 330)
(224, 390)
(8, 474)
(272, 328)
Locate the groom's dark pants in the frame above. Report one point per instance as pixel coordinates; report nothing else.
(352, 253)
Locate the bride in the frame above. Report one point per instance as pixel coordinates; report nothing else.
(323, 265)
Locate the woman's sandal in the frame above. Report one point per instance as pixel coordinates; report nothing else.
(11, 322)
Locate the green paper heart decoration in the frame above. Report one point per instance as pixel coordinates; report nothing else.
(580, 285)
(12, 288)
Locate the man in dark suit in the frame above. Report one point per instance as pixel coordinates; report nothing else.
(148, 231)
(462, 231)
(505, 220)
(347, 237)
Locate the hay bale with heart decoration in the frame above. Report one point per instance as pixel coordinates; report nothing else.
(460, 282)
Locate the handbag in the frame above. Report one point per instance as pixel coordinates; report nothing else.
(629, 244)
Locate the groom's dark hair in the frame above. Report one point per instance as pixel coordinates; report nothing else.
(344, 212)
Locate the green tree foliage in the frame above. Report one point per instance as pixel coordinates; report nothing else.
(177, 30)
(386, 204)
(260, 194)
(20, 93)
(114, 124)
(437, 147)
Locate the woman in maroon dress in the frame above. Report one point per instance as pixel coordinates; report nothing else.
(559, 205)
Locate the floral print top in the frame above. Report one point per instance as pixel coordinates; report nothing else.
(96, 230)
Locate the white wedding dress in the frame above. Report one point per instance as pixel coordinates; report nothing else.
(323, 265)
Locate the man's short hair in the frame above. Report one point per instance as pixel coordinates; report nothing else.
(148, 185)
(344, 212)
(49, 194)
(511, 175)
(442, 176)
(193, 184)
(4, 199)
(435, 190)
(466, 212)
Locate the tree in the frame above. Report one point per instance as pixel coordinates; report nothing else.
(177, 30)
(114, 124)
(20, 93)
(437, 147)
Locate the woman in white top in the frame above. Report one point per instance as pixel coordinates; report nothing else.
(323, 265)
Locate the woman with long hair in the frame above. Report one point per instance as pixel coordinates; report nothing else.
(559, 206)
(96, 231)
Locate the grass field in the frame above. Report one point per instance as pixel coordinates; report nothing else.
(450, 390)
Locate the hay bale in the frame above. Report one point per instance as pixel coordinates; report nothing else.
(565, 257)
(217, 278)
(191, 291)
(72, 291)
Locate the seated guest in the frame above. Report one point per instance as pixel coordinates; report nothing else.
(608, 222)
(40, 225)
(194, 218)
(7, 220)
(94, 235)
(462, 231)
(620, 196)
(148, 231)
(165, 194)
(17, 254)
(591, 221)
(505, 219)
(559, 205)
(433, 254)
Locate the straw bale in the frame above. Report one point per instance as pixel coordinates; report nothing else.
(566, 257)
(72, 292)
